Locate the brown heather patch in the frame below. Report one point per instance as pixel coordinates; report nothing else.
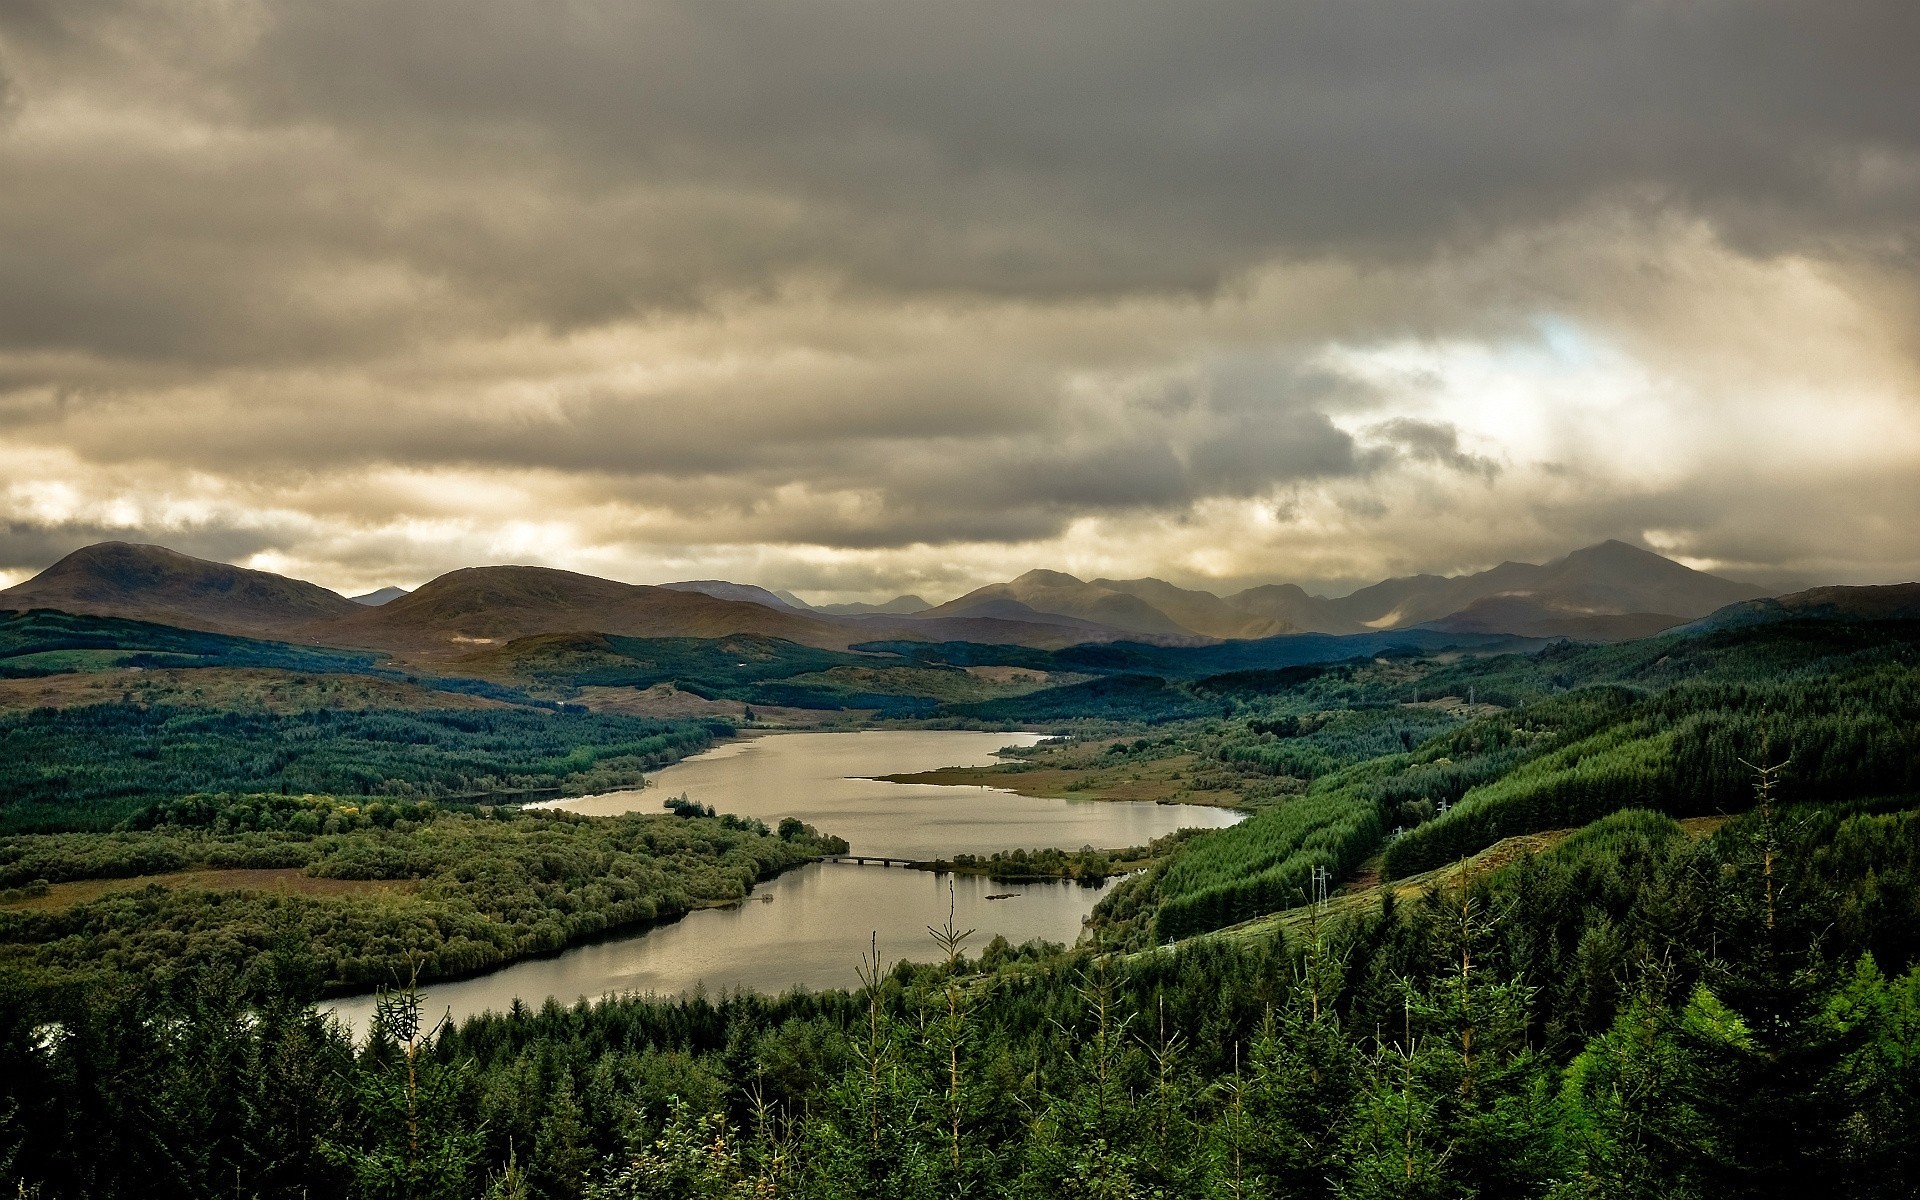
(285, 880)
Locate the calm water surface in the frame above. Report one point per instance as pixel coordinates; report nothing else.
(810, 927)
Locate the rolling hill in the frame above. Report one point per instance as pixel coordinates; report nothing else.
(153, 583)
(1887, 602)
(477, 606)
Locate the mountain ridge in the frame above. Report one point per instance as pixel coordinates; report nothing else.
(1606, 592)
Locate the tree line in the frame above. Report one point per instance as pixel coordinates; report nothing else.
(1636, 1013)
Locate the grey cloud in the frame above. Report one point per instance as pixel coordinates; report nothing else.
(1432, 442)
(281, 246)
(31, 546)
(571, 164)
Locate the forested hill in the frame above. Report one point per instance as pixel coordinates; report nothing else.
(1625, 1005)
(1636, 1012)
(1552, 740)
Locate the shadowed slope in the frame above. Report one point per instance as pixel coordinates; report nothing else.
(1887, 602)
(1060, 594)
(477, 606)
(152, 583)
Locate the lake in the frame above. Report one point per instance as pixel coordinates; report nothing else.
(810, 927)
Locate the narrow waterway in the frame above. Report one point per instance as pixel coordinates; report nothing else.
(810, 927)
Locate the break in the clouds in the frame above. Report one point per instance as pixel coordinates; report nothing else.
(864, 296)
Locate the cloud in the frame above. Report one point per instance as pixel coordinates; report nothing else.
(859, 297)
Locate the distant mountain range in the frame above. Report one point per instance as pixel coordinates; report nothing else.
(1608, 592)
(462, 611)
(899, 606)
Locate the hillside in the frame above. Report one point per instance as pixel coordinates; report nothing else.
(1559, 598)
(1888, 602)
(746, 593)
(1200, 612)
(153, 583)
(1525, 615)
(478, 606)
(899, 606)
(1607, 592)
(1289, 604)
(1059, 594)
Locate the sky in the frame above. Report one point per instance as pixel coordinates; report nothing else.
(862, 297)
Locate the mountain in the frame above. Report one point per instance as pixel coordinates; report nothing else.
(1609, 592)
(1201, 612)
(153, 583)
(478, 606)
(1885, 602)
(899, 606)
(1526, 616)
(1055, 593)
(791, 600)
(1290, 605)
(746, 593)
(1606, 592)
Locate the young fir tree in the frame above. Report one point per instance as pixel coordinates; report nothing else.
(409, 1140)
(1881, 1080)
(1289, 1114)
(870, 1140)
(1772, 1094)
(1455, 1106)
(1086, 1140)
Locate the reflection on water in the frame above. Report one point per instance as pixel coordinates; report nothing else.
(811, 935)
(822, 779)
(821, 917)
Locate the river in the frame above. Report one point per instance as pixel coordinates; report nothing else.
(810, 927)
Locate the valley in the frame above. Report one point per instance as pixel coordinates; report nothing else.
(465, 836)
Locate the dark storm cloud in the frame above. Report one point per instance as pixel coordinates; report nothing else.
(865, 275)
(1432, 442)
(572, 163)
(27, 547)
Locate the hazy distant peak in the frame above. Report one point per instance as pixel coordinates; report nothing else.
(899, 606)
(1041, 577)
(380, 596)
(748, 593)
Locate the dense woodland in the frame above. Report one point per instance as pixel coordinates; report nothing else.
(1633, 1014)
(442, 893)
(1726, 1009)
(97, 766)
